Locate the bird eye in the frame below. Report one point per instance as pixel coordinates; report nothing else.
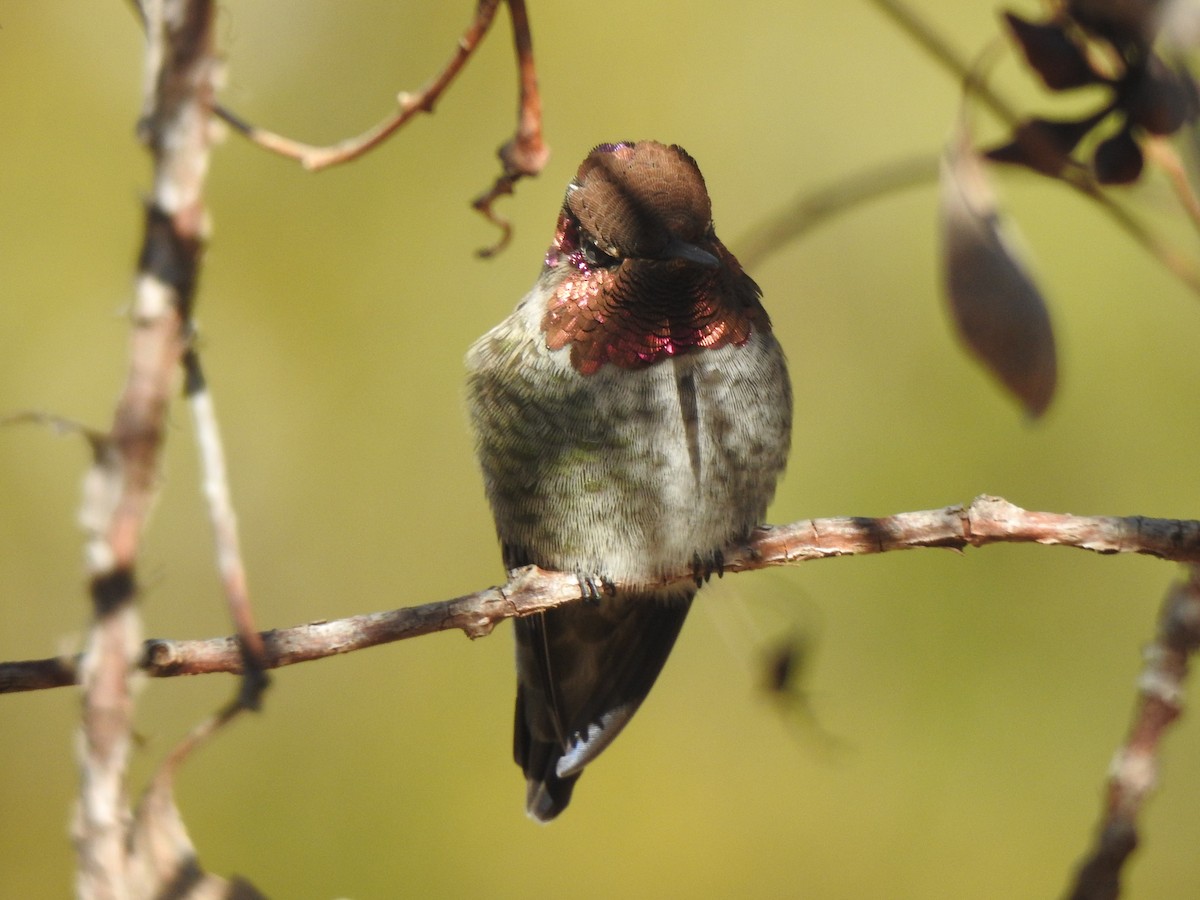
(594, 256)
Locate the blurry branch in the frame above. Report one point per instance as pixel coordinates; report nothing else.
(1160, 151)
(145, 852)
(524, 155)
(120, 487)
(986, 520)
(163, 861)
(924, 35)
(59, 425)
(1134, 771)
(812, 209)
(221, 515)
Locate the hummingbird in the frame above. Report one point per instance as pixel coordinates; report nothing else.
(632, 417)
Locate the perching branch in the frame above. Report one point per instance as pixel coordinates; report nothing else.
(986, 520)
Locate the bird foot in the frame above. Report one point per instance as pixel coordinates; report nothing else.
(595, 587)
(703, 567)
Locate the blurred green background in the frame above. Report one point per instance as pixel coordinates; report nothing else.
(964, 708)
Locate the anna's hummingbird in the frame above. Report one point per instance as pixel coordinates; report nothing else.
(632, 416)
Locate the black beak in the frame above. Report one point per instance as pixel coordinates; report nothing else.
(678, 249)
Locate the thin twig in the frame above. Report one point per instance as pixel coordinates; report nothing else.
(315, 158)
(526, 154)
(1134, 771)
(812, 209)
(59, 424)
(162, 858)
(224, 525)
(986, 520)
(1179, 264)
(1165, 156)
(941, 50)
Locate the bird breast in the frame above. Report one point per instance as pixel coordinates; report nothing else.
(626, 473)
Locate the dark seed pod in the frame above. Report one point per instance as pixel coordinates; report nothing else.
(1043, 145)
(1128, 24)
(1118, 159)
(1158, 99)
(1048, 48)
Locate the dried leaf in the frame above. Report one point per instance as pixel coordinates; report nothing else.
(998, 310)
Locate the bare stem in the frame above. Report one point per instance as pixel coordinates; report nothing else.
(925, 36)
(1134, 771)
(225, 533)
(315, 157)
(812, 209)
(1166, 157)
(526, 154)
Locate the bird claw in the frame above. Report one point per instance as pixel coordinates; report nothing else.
(703, 567)
(594, 587)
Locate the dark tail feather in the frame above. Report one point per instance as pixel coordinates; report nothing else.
(583, 670)
(546, 794)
